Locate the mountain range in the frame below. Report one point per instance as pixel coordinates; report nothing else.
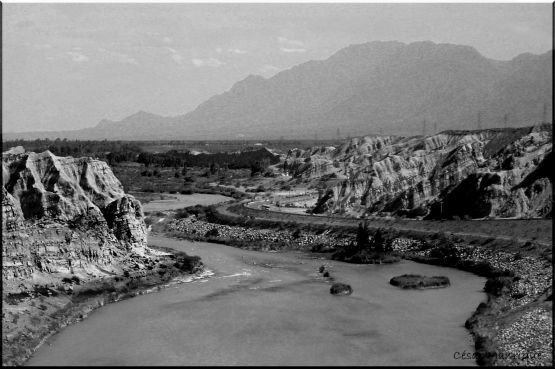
(378, 87)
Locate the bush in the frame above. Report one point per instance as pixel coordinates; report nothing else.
(182, 213)
(73, 279)
(498, 285)
(212, 233)
(444, 248)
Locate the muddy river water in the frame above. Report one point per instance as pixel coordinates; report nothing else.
(275, 309)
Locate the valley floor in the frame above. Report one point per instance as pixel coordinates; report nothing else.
(514, 327)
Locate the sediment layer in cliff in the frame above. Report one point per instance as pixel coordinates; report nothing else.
(64, 216)
(467, 174)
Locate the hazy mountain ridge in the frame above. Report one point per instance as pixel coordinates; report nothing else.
(388, 87)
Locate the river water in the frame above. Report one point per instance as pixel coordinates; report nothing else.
(275, 309)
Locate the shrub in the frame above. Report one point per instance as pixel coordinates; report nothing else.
(212, 233)
(182, 213)
(498, 285)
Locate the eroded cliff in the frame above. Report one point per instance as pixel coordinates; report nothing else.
(475, 174)
(64, 216)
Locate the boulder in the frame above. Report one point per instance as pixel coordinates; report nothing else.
(341, 289)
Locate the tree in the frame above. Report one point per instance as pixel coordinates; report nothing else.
(145, 158)
(381, 241)
(378, 241)
(214, 168)
(259, 166)
(362, 236)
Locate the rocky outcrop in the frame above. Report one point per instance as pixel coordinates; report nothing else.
(487, 173)
(64, 216)
(341, 289)
(413, 281)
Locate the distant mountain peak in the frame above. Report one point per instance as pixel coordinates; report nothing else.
(143, 114)
(250, 80)
(387, 87)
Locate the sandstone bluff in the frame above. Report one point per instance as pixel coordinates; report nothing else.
(72, 240)
(65, 216)
(468, 174)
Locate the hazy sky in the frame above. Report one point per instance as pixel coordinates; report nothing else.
(67, 66)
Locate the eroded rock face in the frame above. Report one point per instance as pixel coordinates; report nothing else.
(126, 220)
(419, 176)
(64, 215)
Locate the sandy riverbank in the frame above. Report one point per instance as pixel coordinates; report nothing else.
(29, 321)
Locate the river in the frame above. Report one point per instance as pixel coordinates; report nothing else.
(275, 309)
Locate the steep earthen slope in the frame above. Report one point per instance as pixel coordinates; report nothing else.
(476, 174)
(65, 216)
